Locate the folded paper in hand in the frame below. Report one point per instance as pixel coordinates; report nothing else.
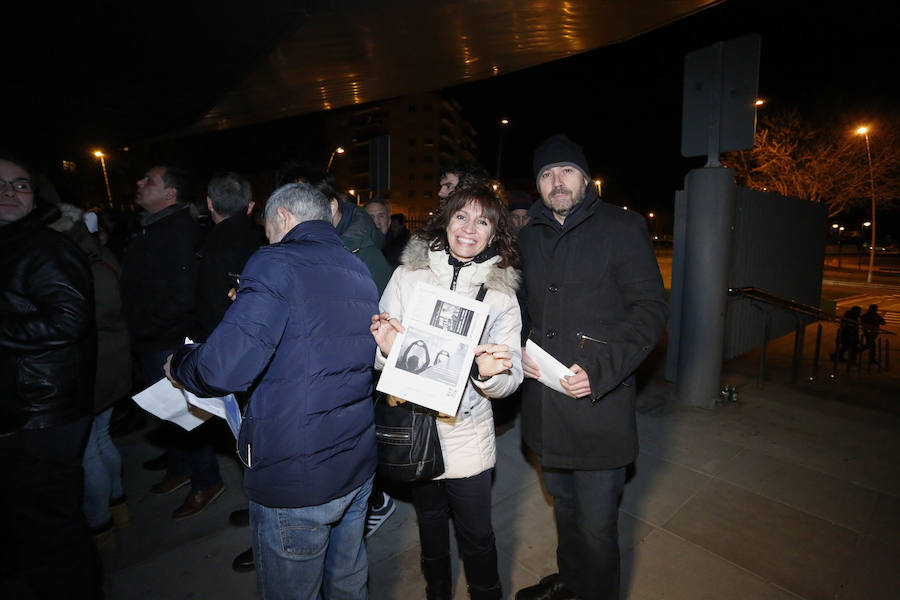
(551, 369)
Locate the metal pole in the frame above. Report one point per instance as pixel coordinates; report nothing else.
(709, 217)
(799, 335)
(762, 354)
(503, 123)
(815, 365)
(106, 180)
(872, 185)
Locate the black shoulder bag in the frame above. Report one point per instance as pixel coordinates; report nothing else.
(408, 445)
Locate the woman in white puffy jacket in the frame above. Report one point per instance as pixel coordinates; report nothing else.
(467, 244)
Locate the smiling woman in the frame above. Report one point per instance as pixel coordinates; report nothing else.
(468, 247)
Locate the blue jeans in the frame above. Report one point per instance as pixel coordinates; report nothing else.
(102, 472)
(312, 552)
(586, 506)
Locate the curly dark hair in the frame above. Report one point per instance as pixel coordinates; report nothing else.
(434, 231)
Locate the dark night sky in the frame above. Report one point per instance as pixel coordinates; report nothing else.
(835, 62)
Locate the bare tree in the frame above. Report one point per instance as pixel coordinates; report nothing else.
(825, 163)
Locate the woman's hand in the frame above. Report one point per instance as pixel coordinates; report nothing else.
(492, 359)
(385, 329)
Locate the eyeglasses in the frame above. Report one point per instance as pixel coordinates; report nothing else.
(22, 186)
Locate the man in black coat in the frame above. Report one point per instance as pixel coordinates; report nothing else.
(48, 352)
(592, 297)
(159, 289)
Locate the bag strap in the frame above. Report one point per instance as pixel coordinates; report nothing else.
(481, 292)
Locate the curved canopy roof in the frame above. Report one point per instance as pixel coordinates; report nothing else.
(355, 51)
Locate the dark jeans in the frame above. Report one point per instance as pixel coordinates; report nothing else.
(45, 537)
(190, 452)
(586, 505)
(469, 500)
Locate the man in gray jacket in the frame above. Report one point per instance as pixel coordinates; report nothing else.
(593, 298)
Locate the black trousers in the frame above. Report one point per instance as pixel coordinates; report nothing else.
(45, 537)
(469, 502)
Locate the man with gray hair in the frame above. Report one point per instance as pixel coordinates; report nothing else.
(297, 339)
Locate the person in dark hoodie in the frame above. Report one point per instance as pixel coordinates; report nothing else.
(48, 352)
(353, 224)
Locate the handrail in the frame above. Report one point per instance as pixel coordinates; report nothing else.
(753, 293)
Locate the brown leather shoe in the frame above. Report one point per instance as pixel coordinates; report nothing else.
(240, 517)
(197, 501)
(243, 562)
(170, 483)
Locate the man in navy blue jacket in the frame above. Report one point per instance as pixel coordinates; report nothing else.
(297, 338)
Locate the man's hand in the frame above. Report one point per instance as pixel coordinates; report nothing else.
(492, 359)
(385, 329)
(167, 368)
(577, 385)
(529, 367)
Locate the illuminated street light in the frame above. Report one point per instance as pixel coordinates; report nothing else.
(760, 102)
(599, 183)
(864, 131)
(102, 158)
(338, 150)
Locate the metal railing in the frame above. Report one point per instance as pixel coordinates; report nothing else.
(766, 302)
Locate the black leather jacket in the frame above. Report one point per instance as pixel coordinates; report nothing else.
(47, 333)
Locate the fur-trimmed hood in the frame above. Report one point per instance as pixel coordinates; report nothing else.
(417, 256)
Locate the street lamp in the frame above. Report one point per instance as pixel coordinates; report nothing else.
(338, 150)
(864, 131)
(840, 229)
(102, 156)
(503, 124)
(599, 183)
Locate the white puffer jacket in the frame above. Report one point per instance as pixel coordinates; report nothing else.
(467, 439)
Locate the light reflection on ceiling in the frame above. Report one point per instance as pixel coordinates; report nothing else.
(354, 51)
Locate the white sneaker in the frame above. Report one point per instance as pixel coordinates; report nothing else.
(379, 515)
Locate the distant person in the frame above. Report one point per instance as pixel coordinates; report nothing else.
(467, 246)
(519, 205)
(848, 336)
(594, 299)
(460, 174)
(397, 238)
(297, 339)
(871, 322)
(48, 354)
(380, 213)
(353, 224)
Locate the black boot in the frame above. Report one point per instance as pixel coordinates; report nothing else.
(438, 577)
(494, 592)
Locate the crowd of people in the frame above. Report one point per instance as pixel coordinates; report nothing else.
(296, 316)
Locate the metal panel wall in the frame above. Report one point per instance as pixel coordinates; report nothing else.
(779, 247)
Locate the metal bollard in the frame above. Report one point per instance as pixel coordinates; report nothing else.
(815, 365)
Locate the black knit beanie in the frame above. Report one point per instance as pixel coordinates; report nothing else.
(556, 151)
